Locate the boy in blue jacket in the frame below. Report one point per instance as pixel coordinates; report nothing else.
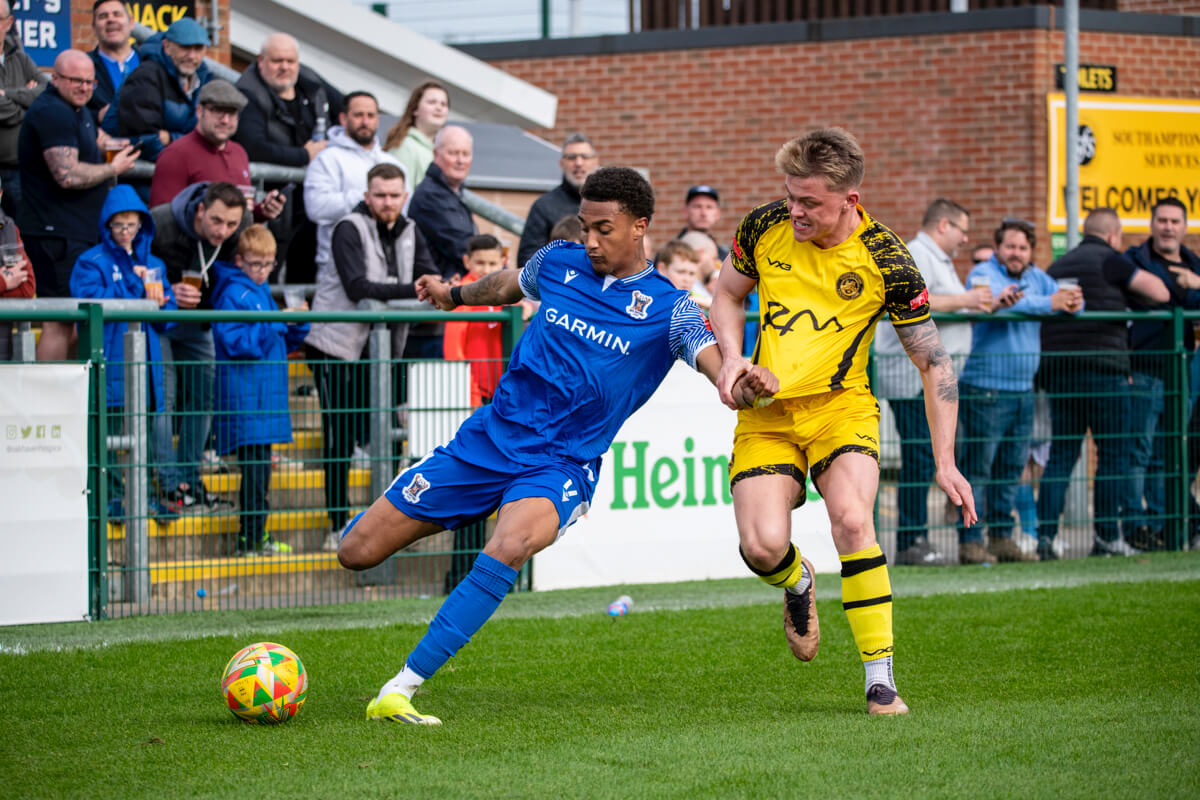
(118, 268)
(251, 395)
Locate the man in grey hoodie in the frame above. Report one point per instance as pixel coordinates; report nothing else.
(200, 226)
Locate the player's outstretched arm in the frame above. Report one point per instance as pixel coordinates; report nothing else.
(728, 318)
(497, 289)
(924, 347)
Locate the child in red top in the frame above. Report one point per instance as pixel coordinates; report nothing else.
(481, 343)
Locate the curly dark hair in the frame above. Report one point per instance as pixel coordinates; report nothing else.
(621, 185)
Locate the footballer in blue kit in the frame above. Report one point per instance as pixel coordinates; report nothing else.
(608, 330)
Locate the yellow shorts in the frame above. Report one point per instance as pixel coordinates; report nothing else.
(804, 434)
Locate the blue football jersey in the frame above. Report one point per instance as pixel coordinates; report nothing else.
(593, 354)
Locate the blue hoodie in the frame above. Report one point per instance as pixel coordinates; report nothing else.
(251, 397)
(1005, 354)
(106, 270)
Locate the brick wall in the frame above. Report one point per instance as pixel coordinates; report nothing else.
(1184, 7)
(82, 37)
(959, 115)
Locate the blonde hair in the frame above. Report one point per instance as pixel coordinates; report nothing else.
(830, 153)
(257, 240)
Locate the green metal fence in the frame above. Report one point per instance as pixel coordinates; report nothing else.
(148, 557)
(224, 549)
(1097, 499)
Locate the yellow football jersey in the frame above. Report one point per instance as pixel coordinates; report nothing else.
(819, 307)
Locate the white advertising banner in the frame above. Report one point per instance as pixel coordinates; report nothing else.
(43, 491)
(662, 510)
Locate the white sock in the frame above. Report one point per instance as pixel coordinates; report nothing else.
(804, 582)
(879, 671)
(406, 683)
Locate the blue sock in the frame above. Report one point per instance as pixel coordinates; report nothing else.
(470, 605)
(1027, 509)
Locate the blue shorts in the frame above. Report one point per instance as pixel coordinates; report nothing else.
(469, 478)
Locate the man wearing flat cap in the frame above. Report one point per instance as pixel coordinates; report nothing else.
(157, 102)
(208, 152)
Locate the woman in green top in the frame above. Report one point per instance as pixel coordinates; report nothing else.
(411, 139)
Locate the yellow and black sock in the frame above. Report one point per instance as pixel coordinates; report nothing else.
(787, 574)
(867, 600)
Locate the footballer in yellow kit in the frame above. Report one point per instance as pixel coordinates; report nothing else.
(825, 272)
(819, 308)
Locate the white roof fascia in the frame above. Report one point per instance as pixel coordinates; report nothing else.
(354, 48)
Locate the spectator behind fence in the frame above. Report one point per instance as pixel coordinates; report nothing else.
(207, 154)
(709, 263)
(568, 229)
(16, 277)
(1151, 341)
(944, 229)
(157, 102)
(63, 184)
(578, 161)
(701, 213)
(20, 83)
(375, 252)
(114, 56)
(1088, 386)
(291, 107)
(195, 230)
(481, 343)
(336, 179)
(438, 209)
(122, 267)
(996, 392)
(287, 121)
(679, 264)
(410, 140)
(252, 381)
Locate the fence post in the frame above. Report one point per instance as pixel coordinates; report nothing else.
(24, 343)
(91, 350)
(137, 487)
(511, 331)
(1178, 482)
(380, 426)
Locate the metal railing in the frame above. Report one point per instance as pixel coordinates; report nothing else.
(141, 563)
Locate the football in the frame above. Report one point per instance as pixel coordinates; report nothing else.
(264, 683)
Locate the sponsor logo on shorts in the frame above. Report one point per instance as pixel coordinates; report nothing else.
(637, 304)
(849, 285)
(414, 490)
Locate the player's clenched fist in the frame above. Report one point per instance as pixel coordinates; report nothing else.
(755, 388)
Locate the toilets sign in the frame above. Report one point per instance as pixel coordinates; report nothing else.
(44, 28)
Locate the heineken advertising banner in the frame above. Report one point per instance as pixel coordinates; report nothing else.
(662, 509)
(1133, 151)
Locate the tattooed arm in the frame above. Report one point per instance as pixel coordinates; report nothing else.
(924, 347)
(71, 173)
(497, 289)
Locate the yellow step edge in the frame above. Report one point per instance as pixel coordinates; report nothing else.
(301, 440)
(283, 479)
(298, 369)
(208, 524)
(213, 569)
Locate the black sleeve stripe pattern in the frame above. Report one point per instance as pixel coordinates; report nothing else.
(750, 230)
(902, 280)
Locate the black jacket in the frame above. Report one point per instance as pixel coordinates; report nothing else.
(547, 210)
(151, 99)
(1154, 335)
(267, 128)
(177, 243)
(104, 92)
(346, 248)
(444, 219)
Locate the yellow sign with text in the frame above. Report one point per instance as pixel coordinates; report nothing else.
(1133, 151)
(157, 15)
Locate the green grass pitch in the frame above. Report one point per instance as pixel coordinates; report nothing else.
(1073, 679)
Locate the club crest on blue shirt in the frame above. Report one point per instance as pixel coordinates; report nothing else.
(637, 305)
(412, 492)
